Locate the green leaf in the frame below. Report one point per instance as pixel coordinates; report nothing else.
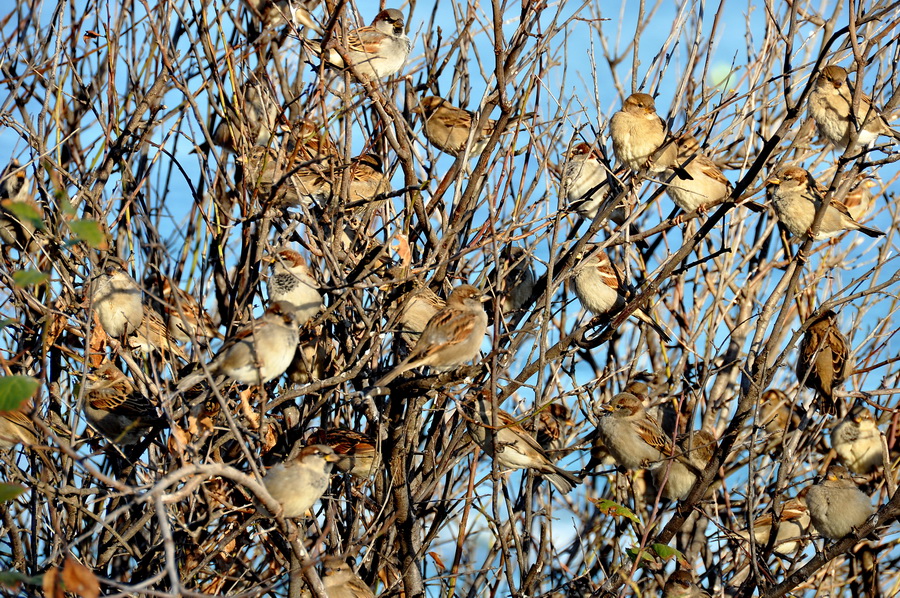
(90, 232)
(635, 554)
(10, 492)
(15, 390)
(13, 579)
(26, 212)
(614, 509)
(24, 278)
(667, 553)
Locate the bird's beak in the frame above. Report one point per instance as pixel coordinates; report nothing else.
(607, 408)
(333, 458)
(417, 110)
(773, 181)
(484, 298)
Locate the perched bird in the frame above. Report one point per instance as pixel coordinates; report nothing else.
(511, 281)
(341, 581)
(448, 127)
(857, 441)
(417, 307)
(116, 299)
(356, 452)
(115, 408)
(283, 178)
(638, 134)
(510, 445)
(550, 424)
(16, 427)
(836, 505)
(599, 286)
(584, 180)
(830, 105)
(275, 13)
(824, 360)
(793, 524)
(681, 585)
(860, 199)
(796, 197)
(292, 283)
(376, 51)
(299, 482)
(452, 337)
(631, 435)
(691, 457)
(20, 215)
(186, 319)
(250, 121)
(367, 181)
(312, 358)
(153, 335)
(703, 184)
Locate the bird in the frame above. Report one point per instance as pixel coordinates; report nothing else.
(452, 336)
(550, 424)
(830, 103)
(376, 51)
(584, 180)
(836, 506)
(598, 286)
(356, 452)
(417, 307)
(275, 13)
(116, 299)
(797, 197)
(16, 427)
(681, 585)
(638, 134)
(153, 336)
(341, 581)
(511, 281)
(448, 127)
(631, 435)
(115, 409)
(824, 361)
(703, 185)
(510, 445)
(857, 441)
(299, 482)
(293, 284)
(860, 199)
(792, 523)
(283, 178)
(20, 215)
(186, 319)
(249, 120)
(694, 451)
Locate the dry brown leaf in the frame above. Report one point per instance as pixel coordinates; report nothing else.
(178, 441)
(437, 560)
(52, 589)
(80, 580)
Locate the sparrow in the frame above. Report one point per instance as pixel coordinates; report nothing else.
(857, 441)
(836, 505)
(115, 409)
(550, 423)
(292, 283)
(186, 319)
(681, 585)
(275, 13)
(342, 582)
(153, 335)
(793, 524)
(598, 285)
(631, 435)
(311, 359)
(511, 281)
(638, 133)
(824, 360)
(116, 299)
(584, 180)
(511, 445)
(861, 199)
(797, 197)
(452, 336)
(703, 185)
(16, 427)
(691, 457)
(250, 120)
(356, 451)
(376, 51)
(283, 178)
(20, 214)
(299, 482)
(448, 127)
(417, 307)
(829, 105)
(367, 182)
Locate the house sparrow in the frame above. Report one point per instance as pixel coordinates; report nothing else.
(249, 121)
(376, 51)
(292, 283)
(448, 127)
(312, 358)
(681, 585)
(691, 457)
(824, 360)
(342, 582)
(418, 306)
(299, 482)
(550, 424)
(631, 435)
(857, 441)
(356, 451)
(829, 105)
(793, 524)
(584, 180)
(186, 319)
(511, 445)
(116, 299)
(511, 281)
(367, 182)
(283, 178)
(452, 336)
(115, 408)
(836, 505)
(275, 13)
(153, 335)
(16, 428)
(598, 285)
(861, 199)
(638, 133)
(706, 185)
(20, 214)
(797, 197)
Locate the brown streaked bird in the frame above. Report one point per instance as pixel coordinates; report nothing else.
(417, 307)
(698, 183)
(830, 105)
(793, 523)
(185, 315)
(292, 283)
(448, 127)
(550, 425)
(681, 585)
(115, 408)
(20, 215)
(797, 196)
(861, 198)
(275, 13)
(356, 451)
(116, 299)
(282, 178)
(510, 445)
(153, 335)
(857, 441)
(250, 121)
(836, 505)
(376, 51)
(639, 134)
(824, 360)
(16, 427)
(299, 482)
(631, 435)
(584, 180)
(599, 286)
(511, 281)
(451, 338)
(341, 581)
(691, 457)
